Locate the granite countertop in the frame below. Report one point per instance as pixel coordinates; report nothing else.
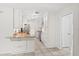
(21, 38)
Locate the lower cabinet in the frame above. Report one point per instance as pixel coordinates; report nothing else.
(25, 46)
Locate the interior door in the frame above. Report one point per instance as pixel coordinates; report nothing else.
(67, 30)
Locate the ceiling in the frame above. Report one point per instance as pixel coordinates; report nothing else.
(54, 7)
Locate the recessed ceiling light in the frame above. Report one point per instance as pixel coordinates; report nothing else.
(36, 12)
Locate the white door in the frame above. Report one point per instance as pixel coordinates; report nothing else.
(67, 30)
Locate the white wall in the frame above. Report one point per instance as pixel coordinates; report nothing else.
(6, 28)
(51, 32)
(76, 31)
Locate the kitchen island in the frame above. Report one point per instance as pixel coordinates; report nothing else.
(22, 44)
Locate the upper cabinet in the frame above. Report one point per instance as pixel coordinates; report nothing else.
(17, 18)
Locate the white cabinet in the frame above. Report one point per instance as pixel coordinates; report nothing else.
(23, 46)
(17, 18)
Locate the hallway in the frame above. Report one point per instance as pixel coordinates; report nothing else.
(41, 50)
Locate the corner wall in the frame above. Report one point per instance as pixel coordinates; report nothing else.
(51, 33)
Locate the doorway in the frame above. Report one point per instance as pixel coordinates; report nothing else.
(67, 32)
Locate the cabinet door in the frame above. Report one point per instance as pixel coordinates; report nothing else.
(17, 18)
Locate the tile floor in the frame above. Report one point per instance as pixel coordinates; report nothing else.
(41, 50)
